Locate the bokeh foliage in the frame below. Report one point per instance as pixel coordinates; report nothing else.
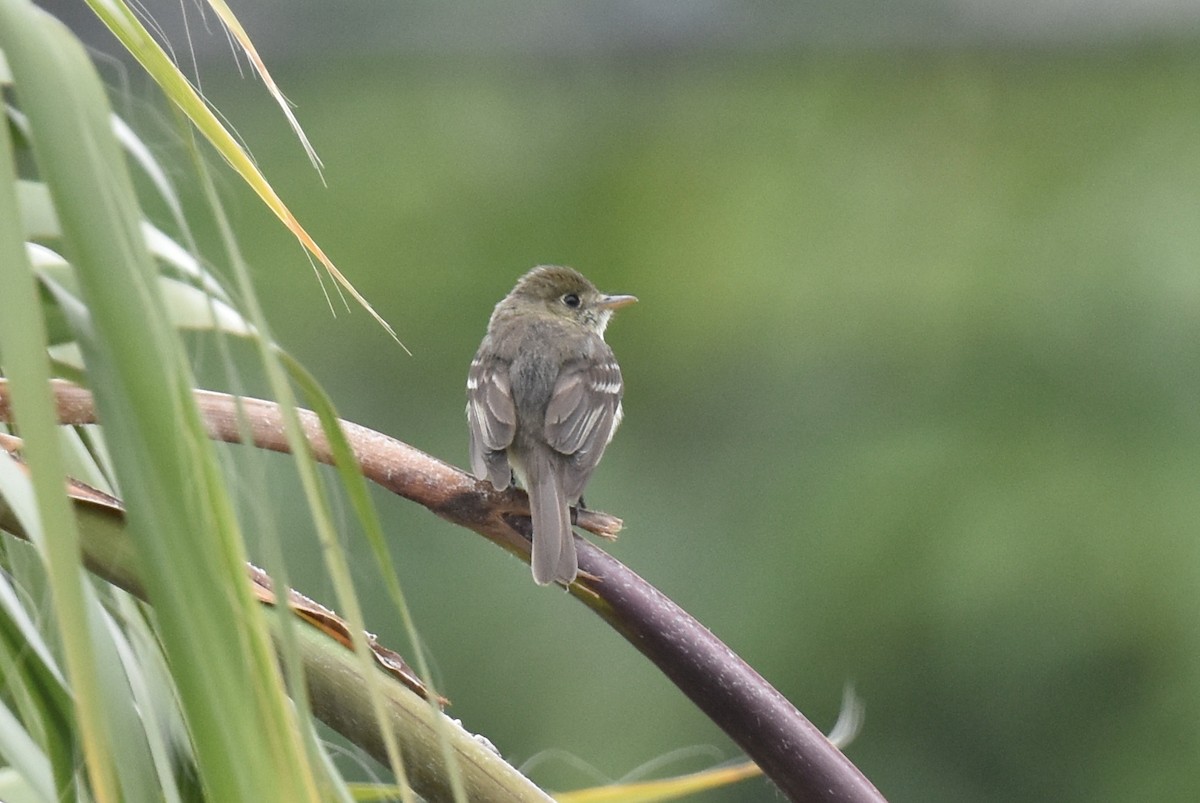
(911, 393)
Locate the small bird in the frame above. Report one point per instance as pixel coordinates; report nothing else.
(543, 401)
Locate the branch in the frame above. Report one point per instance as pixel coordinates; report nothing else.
(791, 750)
(337, 690)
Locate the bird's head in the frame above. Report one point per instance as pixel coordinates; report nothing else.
(566, 294)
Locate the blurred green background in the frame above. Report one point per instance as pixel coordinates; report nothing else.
(912, 389)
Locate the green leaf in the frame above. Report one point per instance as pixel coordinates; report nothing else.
(181, 519)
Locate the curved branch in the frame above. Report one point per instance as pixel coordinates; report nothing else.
(337, 689)
(791, 750)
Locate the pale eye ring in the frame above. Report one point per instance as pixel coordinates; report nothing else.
(571, 300)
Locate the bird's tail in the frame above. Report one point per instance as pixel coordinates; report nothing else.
(554, 556)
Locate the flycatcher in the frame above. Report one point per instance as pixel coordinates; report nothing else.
(543, 401)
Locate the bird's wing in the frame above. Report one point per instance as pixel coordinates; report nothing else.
(582, 415)
(491, 419)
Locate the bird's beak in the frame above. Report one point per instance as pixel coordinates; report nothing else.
(615, 302)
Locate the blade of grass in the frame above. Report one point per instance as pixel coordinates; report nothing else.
(665, 788)
(356, 488)
(240, 36)
(33, 686)
(187, 538)
(121, 20)
(24, 341)
(334, 555)
(334, 676)
(24, 758)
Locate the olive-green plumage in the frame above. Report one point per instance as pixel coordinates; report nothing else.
(543, 401)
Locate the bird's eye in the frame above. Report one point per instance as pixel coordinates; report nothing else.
(571, 300)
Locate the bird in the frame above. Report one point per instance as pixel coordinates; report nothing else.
(543, 402)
